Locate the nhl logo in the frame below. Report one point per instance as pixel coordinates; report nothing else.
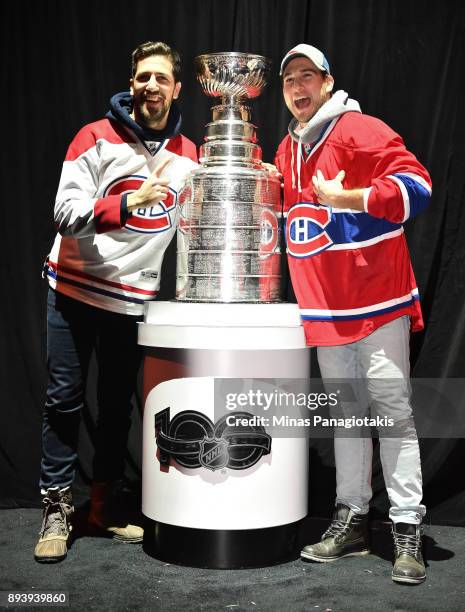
(214, 453)
(193, 440)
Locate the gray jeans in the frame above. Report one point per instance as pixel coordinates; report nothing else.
(382, 361)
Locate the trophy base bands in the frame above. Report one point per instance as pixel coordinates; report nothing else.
(12, 599)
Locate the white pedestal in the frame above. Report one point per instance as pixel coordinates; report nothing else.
(202, 508)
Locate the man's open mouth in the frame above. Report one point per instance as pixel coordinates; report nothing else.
(301, 103)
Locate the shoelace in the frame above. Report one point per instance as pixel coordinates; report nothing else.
(407, 544)
(54, 516)
(337, 529)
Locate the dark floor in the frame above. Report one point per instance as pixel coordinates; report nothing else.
(100, 574)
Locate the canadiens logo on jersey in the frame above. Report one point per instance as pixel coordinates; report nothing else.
(306, 233)
(149, 220)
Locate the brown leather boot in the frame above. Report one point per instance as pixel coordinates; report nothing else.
(56, 527)
(408, 559)
(106, 513)
(347, 536)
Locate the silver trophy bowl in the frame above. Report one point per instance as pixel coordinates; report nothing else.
(232, 75)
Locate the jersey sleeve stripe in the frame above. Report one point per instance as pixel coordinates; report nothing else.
(418, 179)
(416, 193)
(366, 195)
(405, 196)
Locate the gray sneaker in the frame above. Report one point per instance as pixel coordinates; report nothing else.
(347, 536)
(408, 567)
(54, 533)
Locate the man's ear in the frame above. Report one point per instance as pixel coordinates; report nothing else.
(177, 89)
(329, 83)
(131, 88)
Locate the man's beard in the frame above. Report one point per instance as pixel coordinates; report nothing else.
(149, 118)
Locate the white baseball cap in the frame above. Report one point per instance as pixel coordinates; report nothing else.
(312, 53)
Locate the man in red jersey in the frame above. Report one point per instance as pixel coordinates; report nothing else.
(116, 212)
(349, 185)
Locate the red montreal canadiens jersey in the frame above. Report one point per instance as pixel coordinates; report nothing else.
(94, 259)
(351, 270)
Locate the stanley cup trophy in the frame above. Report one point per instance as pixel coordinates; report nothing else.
(213, 494)
(228, 237)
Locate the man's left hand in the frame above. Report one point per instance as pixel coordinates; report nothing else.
(330, 192)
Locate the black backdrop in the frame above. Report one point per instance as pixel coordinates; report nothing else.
(61, 62)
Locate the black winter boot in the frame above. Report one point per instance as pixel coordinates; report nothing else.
(347, 536)
(408, 559)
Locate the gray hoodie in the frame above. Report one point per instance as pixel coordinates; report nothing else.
(319, 125)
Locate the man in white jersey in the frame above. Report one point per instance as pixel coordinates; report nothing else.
(115, 213)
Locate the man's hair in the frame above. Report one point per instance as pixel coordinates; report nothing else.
(150, 48)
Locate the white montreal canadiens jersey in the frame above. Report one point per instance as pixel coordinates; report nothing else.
(95, 259)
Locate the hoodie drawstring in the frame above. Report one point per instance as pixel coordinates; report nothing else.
(292, 164)
(298, 147)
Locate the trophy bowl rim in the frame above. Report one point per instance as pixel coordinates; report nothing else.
(239, 54)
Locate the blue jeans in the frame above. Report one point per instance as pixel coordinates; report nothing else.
(74, 330)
